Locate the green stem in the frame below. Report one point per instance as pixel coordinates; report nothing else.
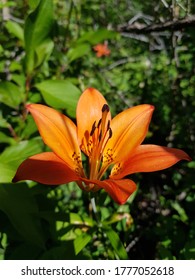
(94, 208)
(93, 205)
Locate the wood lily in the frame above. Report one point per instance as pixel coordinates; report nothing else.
(106, 142)
(101, 50)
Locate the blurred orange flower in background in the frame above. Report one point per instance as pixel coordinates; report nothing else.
(101, 50)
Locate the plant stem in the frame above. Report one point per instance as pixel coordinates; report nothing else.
(94, 208)
(93, 205)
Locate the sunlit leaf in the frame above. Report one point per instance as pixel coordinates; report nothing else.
(97, 36)
(78, 51)
(33, 3)
(116, 243)
(10, 94)
(15, 29)
(6, 139)
(76, 219)
(7, 172)
(37, 30)
(180, 210)
(15, 154)
(43, 51)
(81, 241)
(60, 94)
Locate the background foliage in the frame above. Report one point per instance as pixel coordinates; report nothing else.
(47, 56)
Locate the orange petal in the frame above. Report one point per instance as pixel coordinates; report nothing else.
(89, 110)
(119, 190)
(129, 129)
(58, 132)
(148, 158)
(45, 168)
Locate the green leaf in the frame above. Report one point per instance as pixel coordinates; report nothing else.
(60, 94)
(33, 3)
(76, 219)
(37, 30)
(19, 205)
(6, 139)
(9, 3)
(95, 37)
(1, 49)
(78, 51)
(12, 156)
(15, 29)
(10, 94)
(3, 122)
(15, 154)
(7, 172)
(43, 52)
(180, 210)
(189, 250)
(116, 243)
(81, 241)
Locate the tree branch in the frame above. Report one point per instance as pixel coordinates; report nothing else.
(176, 25)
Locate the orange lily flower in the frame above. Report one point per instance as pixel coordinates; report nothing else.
(101, 50)
(106, 142)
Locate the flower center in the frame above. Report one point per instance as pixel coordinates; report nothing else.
(99, 136)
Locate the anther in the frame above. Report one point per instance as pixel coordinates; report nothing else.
(110, 132)
(93, 128)
(99, 123)
(105, 108)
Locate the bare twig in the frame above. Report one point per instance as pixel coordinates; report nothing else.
(165, 3)
(138, 37)
(171, 25)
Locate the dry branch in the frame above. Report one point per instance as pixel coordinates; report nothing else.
(176, 25)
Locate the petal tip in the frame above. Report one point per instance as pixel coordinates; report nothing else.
(90, 89)
(29, 106)
(14, 180)
(151, 107)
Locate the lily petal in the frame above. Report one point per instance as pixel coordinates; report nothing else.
(89, 111)
(129, 129)
(148, 158)
(119, 190)
(45, 168)
(58, 132)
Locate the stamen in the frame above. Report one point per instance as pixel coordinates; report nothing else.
(110, 132)
(100, 136)
(93, 128)
(99, 123)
